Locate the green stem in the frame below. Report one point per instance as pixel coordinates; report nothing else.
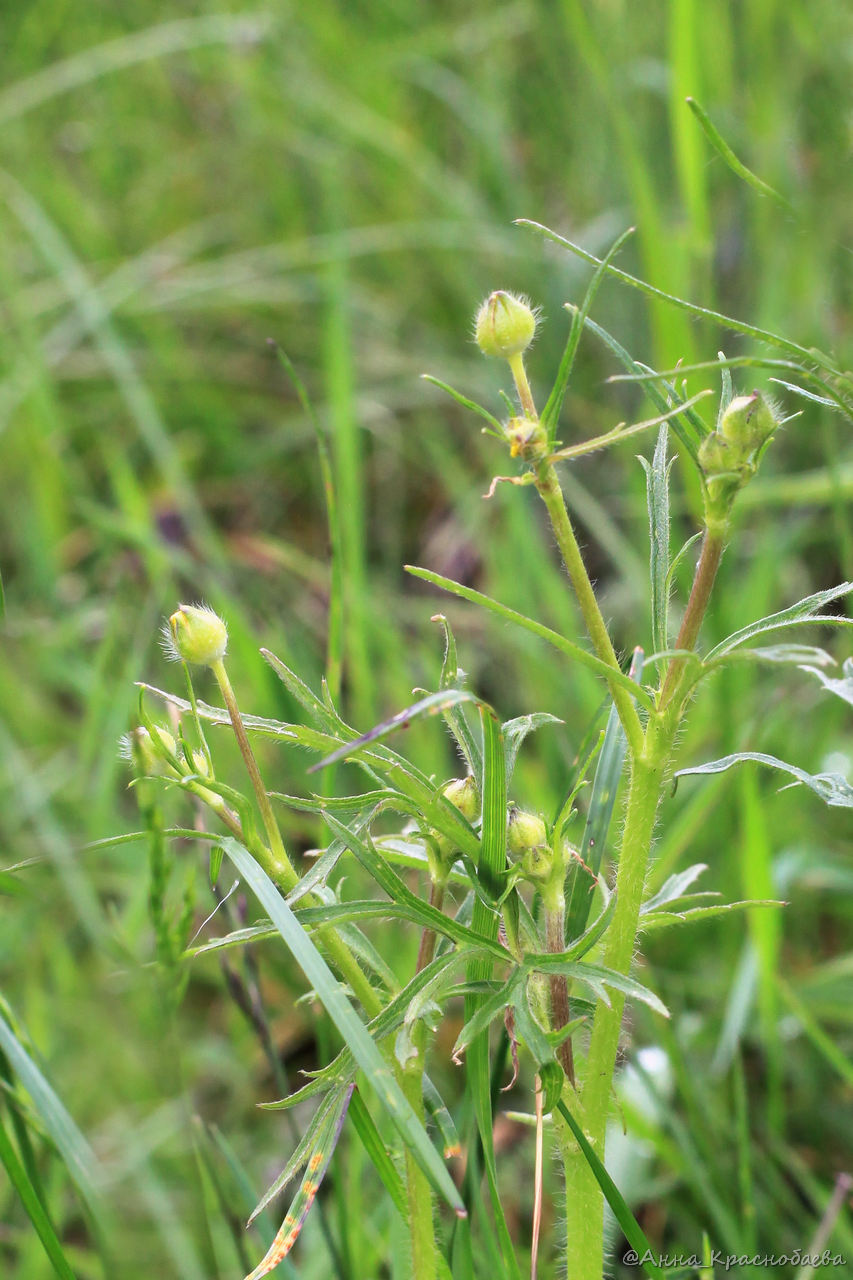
(276, 862)
(584, 1203)
(286, 875)
(421, 1221)
(548, 484)
(522, 386)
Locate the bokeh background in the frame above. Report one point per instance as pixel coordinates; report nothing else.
(178, 185)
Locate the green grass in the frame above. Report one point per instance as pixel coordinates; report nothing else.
(345, 183)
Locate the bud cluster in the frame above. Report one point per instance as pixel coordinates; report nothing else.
(729, 456)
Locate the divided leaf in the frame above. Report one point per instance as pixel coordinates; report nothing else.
(832, 788)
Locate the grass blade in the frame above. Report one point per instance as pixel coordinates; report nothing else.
(33, 1206)
(631, 1228)
(63, 1132)
(377, 1153)
(346, 1020)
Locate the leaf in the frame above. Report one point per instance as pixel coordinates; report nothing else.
(491, 870)
(465, 402)
(674, 887)
(842, 688)
(432, 704)
(325, 1141)
(661, 919)
(452, 678)
(597, 977)
(623, 432)
(832, 788)
(334, 1102)
(536, 628)
(781, 654)
(541, 1050)
(810, 357)
(489, 1009)
(807, 395)
(657, 498)
(554, 403)
(63, 1132)
(350, 1027)
(437, 1110)
(690, 431)
(804, 611)
(737, 166)
(34, 1208)
(377, 1152)
(515, 731)
(317, 710)
(428, 917)
(631, 1229)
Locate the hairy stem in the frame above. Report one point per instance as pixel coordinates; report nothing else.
(584, 1203)
(548, 484)
(426, 951)
(713, 545)
(421, 1222)
(555, 915)
(286, 875)
(276, 862)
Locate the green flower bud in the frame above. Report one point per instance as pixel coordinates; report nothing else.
(718, 456)
(200, 765)
(196, 635)
(504, 325)
(748, 422)
(463, 795)
(524, 831)
(538, 863)
(146, 755)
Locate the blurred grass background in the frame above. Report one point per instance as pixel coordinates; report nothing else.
(176, 187)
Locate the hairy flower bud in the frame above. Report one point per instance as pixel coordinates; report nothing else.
(464, 796)
(748, 422)
(196, 635)
(148, 756)
(524, 831)
(504, 325)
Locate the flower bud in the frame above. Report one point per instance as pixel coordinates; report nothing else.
(464, 796)
(197, 635)
(717, 456)
(504, 325)
(147, 755)
(524, 831)
(748, 422)
(537, 865)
